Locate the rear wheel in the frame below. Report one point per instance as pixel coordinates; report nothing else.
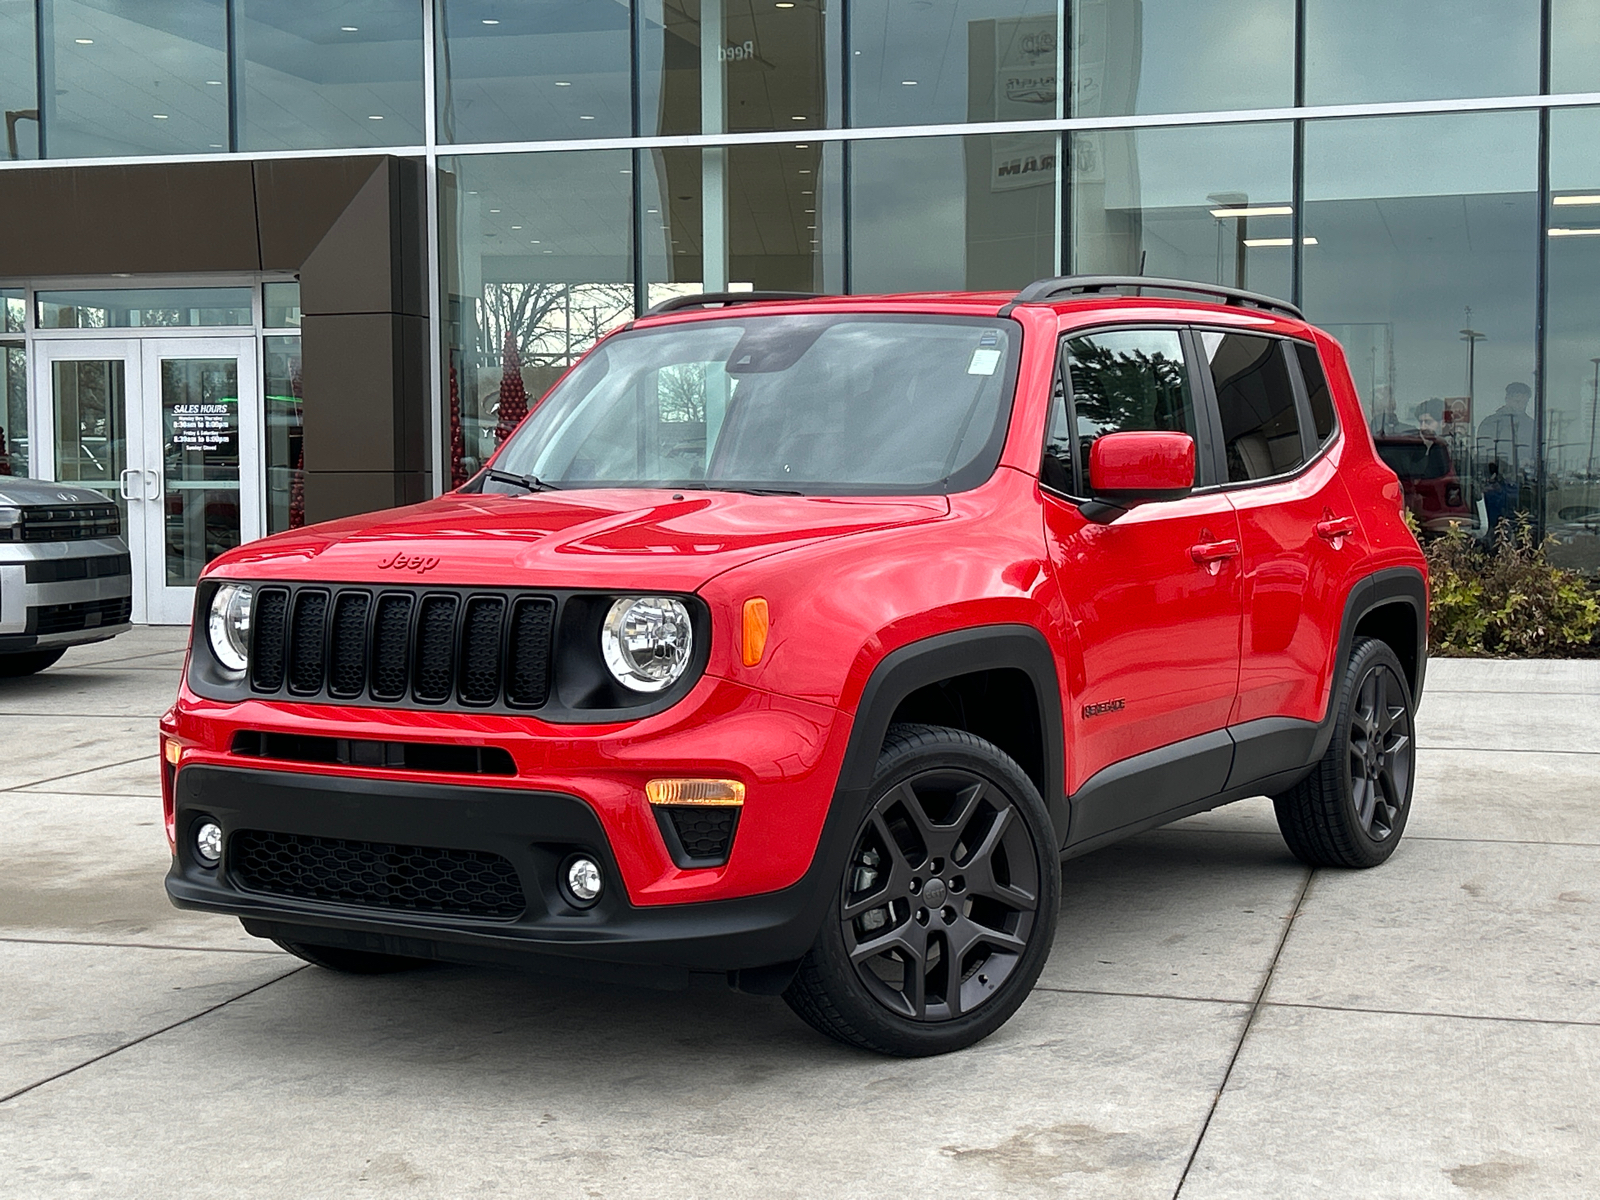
(29, 663)
(350, 962)
(1351, 810)
(947, 910)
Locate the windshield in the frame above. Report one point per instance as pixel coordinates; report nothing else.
(823, 404)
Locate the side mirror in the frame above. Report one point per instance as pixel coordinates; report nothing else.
(1132, 468)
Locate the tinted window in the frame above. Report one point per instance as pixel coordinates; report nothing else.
(1123, 380)
(1317, 391)
(804, 403)
(1260, 427)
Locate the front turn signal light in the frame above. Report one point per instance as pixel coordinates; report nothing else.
(173, 752)
(715, 793)
(757, 621)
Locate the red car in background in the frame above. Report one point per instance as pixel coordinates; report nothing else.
(799, 640)
(1427, 472)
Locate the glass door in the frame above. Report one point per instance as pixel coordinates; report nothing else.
(169, 429)
(200, 414)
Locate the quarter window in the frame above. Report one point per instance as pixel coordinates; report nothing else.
(1317, 391)
(1260, 424)
(1126, 379)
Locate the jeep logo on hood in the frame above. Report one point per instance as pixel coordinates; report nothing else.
(419, 563)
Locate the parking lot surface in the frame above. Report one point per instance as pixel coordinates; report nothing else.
(1215, 1020)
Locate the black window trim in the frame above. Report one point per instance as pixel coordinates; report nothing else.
(1302, 406)
(1206, 424)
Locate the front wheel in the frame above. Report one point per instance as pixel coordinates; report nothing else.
(1351, 810)
(947, 909)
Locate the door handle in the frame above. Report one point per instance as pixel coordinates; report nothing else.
(1211, 555)
(1336, 529)
(122, 483)
(153, 480)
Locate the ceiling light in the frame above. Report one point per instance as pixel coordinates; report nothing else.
(549, 252)
(1264, 210)
(1565, 200)
(784, 4)
(488, 21)
(807, 193)
(516, 227)
(797, 118)
(803, 146)
(805, 171)
(908, 83)
(216, 145)
(159, 116)
(374, 117)
(494, 210)
(563, 83)
(1310, 241)
(1591, 231)
(533, 241)
(347, 28)
(651, 210)
(213, 83)
(84, 41)
(585, 117)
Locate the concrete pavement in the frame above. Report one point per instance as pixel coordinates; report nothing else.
(1216, 1020)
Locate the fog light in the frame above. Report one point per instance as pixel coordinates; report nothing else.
(208, 843)
(583, 880)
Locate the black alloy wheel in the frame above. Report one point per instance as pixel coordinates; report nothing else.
(1351, 810)
(947, 907)
(1382, 752)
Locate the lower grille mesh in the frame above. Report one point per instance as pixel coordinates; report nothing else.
(466, 883)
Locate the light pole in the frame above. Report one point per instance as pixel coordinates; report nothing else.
(1472, 337)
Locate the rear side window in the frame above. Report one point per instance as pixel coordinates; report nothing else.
(1130, 379)
(1317, 391)
(1260, 424)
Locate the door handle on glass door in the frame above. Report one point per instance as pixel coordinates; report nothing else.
(1336, 529)
(1211, 555)
(153, 481)
(122, 483)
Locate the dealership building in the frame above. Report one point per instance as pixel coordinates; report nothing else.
(268, 262)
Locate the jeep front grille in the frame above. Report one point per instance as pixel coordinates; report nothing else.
(431, 647)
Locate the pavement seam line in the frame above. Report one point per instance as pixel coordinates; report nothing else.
(1349, 1008)
(72, 774)
(25, 941)
(22, 1091)
(1238, 1046)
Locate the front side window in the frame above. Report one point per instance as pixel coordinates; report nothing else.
(804, 404)
(1122, 380)
(1260, 424)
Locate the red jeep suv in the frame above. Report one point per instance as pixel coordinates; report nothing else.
(799, 639)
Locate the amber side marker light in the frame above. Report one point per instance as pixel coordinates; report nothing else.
(173, 751)
(714, 793)
(757, 621)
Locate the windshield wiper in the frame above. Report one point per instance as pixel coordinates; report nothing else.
(749, 491)
(531, 483)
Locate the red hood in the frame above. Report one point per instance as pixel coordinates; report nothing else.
(626, 538)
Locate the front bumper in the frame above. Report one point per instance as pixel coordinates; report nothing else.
(63, 593)
(757, 937)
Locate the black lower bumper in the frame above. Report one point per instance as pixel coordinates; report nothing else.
(536, 832)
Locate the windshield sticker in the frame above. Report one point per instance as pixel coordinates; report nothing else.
(991, 337)
(983, 362)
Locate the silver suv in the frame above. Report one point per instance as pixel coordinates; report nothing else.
(65, 576)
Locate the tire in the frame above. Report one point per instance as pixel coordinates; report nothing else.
(1351, 810)
(31, 662)
(935, 792)
(350, 962)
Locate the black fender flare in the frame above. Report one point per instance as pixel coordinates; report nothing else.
(1405, 584)
(943, 656)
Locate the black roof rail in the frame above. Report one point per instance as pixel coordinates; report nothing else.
(708, 299)
(1043, 291)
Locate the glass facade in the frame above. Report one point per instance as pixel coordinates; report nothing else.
(594, 157)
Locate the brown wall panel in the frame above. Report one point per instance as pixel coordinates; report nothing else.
(371, 258)
(353, 378)
(141, 219)
(300, 199)
(333, 494)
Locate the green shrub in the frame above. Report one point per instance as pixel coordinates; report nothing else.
(1509, 600)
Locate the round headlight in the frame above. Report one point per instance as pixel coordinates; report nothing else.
(228, 626)
(646, 641)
